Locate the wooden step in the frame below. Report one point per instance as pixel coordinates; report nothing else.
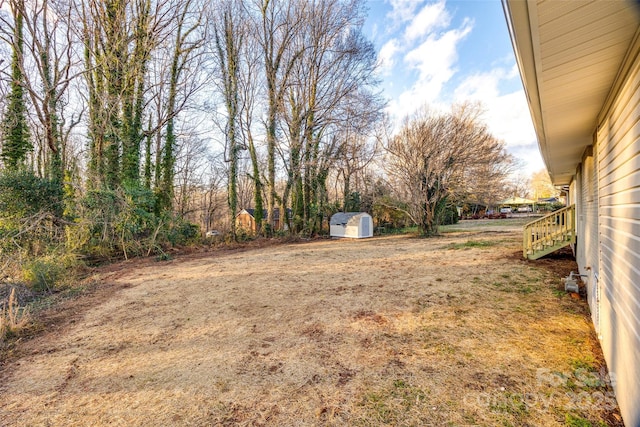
(539, 253)
(549, 233)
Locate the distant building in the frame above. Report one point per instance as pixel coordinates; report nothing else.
(246, 220)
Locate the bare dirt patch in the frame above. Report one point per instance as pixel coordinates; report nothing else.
(386, 331)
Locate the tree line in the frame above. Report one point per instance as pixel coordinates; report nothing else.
(120, 119)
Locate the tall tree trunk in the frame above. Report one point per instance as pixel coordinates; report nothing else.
(95, 89)
(271, 155)
(116, 55)
(133, 97)
(15, 130)
(258, 202)
(148, 166)
(182, 49)
(229, 39)
(347, 190)
(168, 154)
(55, 167)
(279, 27)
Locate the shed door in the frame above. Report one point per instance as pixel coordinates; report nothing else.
(364, 226)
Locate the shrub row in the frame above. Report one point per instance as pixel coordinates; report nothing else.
(46, 232)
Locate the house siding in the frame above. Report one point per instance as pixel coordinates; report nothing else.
(245, 221)
(578, 196)
(618, 172)
(588, 235)
(583, 78)
(581, 226)
(587, 251)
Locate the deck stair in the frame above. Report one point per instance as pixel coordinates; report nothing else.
(549, 233)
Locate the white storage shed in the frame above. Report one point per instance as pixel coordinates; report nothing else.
(356, 225)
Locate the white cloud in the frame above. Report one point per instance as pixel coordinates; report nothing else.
(435, 58)
(386, 56)
(414, 98)
(430, 18)
(435, 62)
(479, 86)
(421, 60)
(508, 118)
(374, 31)
(402, 10)
(514, 72)
(506, 115)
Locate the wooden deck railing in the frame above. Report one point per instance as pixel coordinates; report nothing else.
(549, 233)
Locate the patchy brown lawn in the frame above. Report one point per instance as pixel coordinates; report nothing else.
(455, 330)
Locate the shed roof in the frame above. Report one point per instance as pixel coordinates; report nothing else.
(350, 218)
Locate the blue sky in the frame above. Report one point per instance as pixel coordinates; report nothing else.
(441, 52)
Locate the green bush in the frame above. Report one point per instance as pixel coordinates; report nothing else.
(51, 272)
(23, 194)
(183, 232)
(117, 223)
(30, 210)
(138, 217)
(42, 274)
(556, 206)
(390, 213)
(353, 202)
(449, 215)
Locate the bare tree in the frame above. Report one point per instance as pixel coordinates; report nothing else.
(124, 45)
(118, 38)
(436, 156)
(541, 185)
(15, 132)
(52, 47)
(519, 185)
(229, 33)
(187, 41)
(212, 201)
(330, 91)
(279, 22)
(249, 82)
(190, 168)
(354, 155)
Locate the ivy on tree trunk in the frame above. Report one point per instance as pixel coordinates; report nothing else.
(16, 141)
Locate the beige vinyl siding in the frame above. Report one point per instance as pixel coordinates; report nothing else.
(572, 192)
(619, 223)
(592, 235)
(581, 225)
(584, 244)
(588, 235)
(579, 62)
(592, 220)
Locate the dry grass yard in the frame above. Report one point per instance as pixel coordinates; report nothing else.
(398, 331)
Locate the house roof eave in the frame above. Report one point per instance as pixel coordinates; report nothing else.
(569, 55)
